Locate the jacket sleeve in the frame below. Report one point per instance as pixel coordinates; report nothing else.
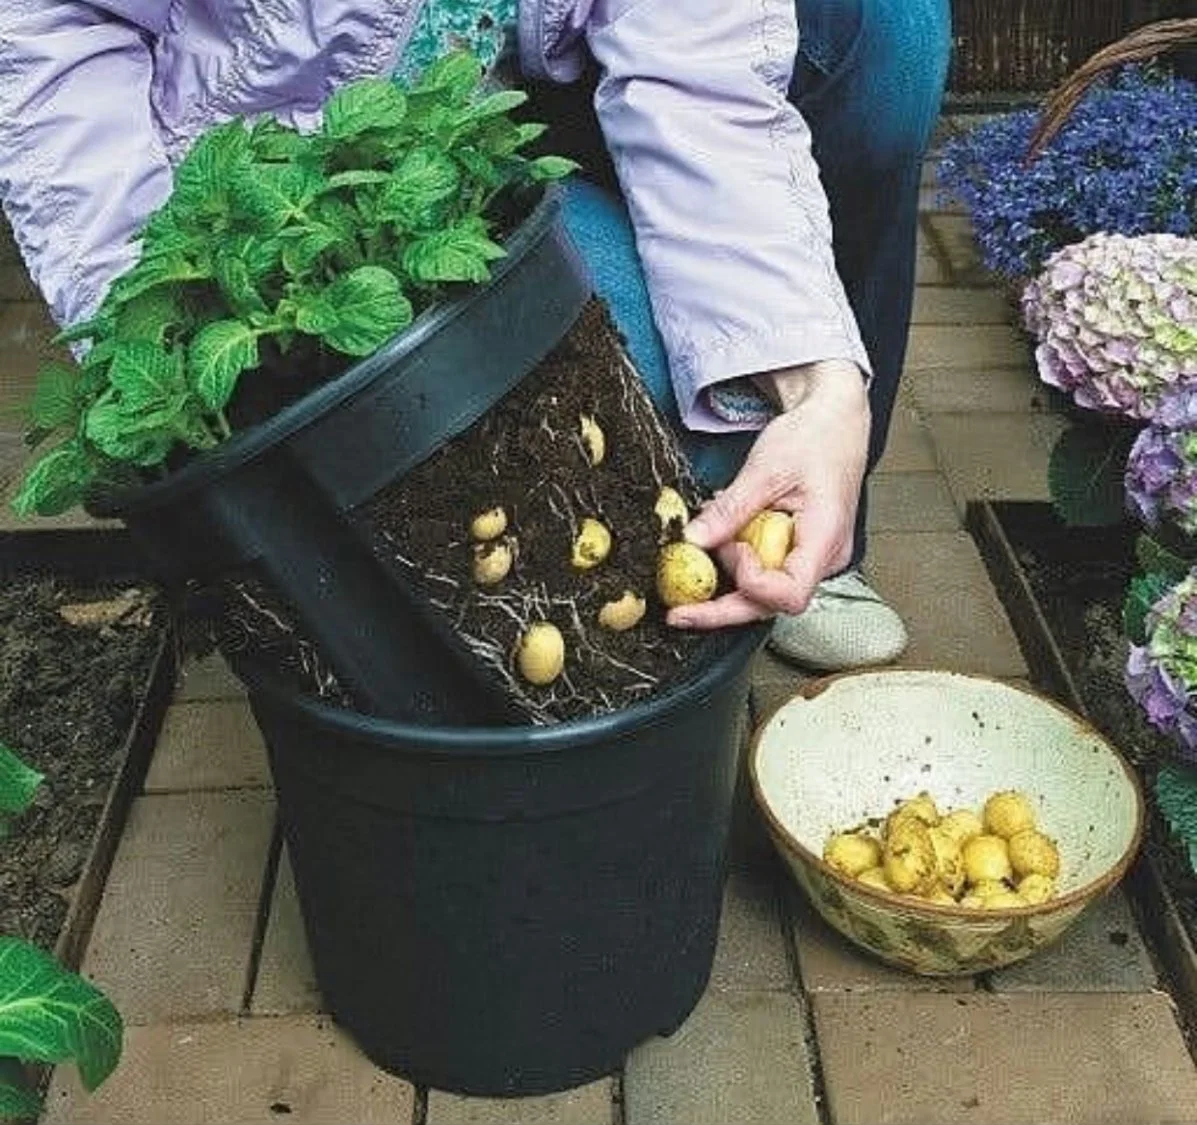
(81, 166)
(731, 220)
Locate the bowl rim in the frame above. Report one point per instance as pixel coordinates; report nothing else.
(811, 689)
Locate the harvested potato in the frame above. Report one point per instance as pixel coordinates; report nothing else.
(1032, 853)
(874, 877)
(769, 534)
(909, 857)
(622, 614)
(921, 808)
(962, 825)
(1004, 900)
(1008, 813)
(940, 897)
(671, 511)
(685, 574)
(986, 888)
(492, 561)
(986, 857)
(541, 654)
(488, 525)
(593, 439)
(1037, 889)
(592, 546)
(852, 853)
(949, 864)
(972, 902)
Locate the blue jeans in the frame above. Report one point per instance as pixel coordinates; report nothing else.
(868, 80)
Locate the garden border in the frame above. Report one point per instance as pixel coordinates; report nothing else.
(107, 555)
(1157, 911)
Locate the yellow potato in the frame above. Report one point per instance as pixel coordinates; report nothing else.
(541, 654)
(593, 439)
(489, 524)
(921, 808)
(949, 863)
(875, 877)
(685, 574)
(962, 825)
(1004, 901)
(987, 888)
(909, 857)
(769, 534)
(1037, 889)
(671, 511)
(1032, 853)
(623, 614)
(986, 857)
(940, 897)
(492, 561)
(592, 545)
(1008, 813)
(852, 853)
(973, 902)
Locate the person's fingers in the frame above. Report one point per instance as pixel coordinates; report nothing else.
(731, 509)
(730, 609)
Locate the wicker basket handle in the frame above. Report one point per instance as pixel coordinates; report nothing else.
(1145, 43)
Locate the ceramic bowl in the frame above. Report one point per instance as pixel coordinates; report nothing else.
(849, 747)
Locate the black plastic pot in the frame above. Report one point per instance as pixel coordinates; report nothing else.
(509, 912)
(278, 497)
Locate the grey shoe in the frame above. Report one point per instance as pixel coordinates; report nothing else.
(847, 625)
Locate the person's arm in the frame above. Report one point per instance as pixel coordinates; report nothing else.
(731, 220)
(81, 166)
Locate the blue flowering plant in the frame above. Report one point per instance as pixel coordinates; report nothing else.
(1124, 163)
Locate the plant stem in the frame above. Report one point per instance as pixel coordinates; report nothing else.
(222, 424)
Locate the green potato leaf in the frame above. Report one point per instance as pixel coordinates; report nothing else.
(56, 482)
(368, 307)
(17, 1101)
(55, 397)
(145, 374)
(18, 783)
(459, 253)
(370, 103)
(51, 1015)
(216, 359)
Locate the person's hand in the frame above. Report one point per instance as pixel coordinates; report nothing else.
(808, 461)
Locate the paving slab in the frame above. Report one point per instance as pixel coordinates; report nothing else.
(173, 933)
(26, 334)
(1103, 951)
(938, 583)
(943, 347)
(286, 980)
(918, 1058)
(953, 235)
(299, 1070)
(995, 456)
(828, 962)
(751, 954)
(909, 447)
(910, 502)
(741, 1057)
(213, 744)
(15, 283)
(774, 681)
(987, 390)
(208, 677)
(589, 1105)
(961, 306)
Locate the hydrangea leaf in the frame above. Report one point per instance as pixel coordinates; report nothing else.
(1085, 475)
(1176, 794)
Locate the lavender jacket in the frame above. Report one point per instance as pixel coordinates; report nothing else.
(99, 98)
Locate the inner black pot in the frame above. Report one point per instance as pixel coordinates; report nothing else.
(277, 497)
(510, 911)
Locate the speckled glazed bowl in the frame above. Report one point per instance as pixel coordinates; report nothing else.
(849, 747)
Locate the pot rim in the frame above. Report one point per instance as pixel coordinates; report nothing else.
(247, 445)
(1090, 891)
(739, 643)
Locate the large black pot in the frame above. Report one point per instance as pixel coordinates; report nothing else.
(503, 911)
(277, 498)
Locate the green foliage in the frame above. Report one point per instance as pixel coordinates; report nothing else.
(269, 235)
(1085, 474)
(1176, 795)
(47, 1014)
(1142, 593)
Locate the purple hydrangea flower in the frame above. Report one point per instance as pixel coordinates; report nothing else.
(1123, 163)
(1161, 675)
(1161, 472)
(1116, 320)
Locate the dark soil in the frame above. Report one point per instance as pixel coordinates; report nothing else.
(1079, 578)
(68, 695)
(526, 456)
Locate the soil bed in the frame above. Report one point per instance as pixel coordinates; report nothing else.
(527, 456)
(68, 697)
(1078, 578)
